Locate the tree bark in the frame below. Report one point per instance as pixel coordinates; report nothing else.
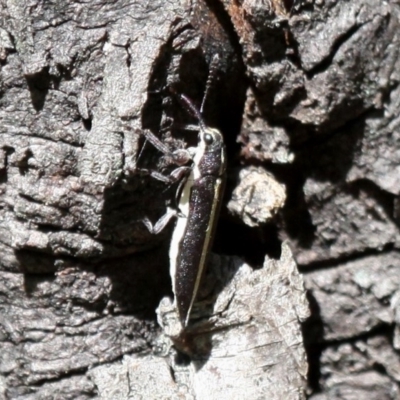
(309, 92)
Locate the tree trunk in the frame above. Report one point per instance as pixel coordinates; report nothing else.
(309, 91)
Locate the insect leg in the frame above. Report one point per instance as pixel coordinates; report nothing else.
(156, 142)
(178, 175)
(161, 223)
(178, 157)
(175, 176)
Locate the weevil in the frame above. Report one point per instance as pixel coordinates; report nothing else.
(199, 195)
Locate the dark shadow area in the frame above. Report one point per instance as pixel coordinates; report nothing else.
(35, 262)
(87, 124)
(182, 359)
(7, 150)
(312, 330)
(39, 85)
(251, 244)
(295, 217)
(23, 163)
(288, 4)
(126, 205)
(327, 160)
(138, 282)
(33, 280)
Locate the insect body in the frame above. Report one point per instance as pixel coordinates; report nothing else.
(199, 205)
(199, 198)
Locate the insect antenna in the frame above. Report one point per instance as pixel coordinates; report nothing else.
(191, 109)
(189, 105)
(210, 79)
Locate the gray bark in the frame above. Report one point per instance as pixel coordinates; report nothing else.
(309, 90)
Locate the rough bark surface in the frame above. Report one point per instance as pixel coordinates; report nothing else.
(248, 343)
(310, 92)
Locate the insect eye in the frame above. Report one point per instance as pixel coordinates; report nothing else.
(208, 138)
